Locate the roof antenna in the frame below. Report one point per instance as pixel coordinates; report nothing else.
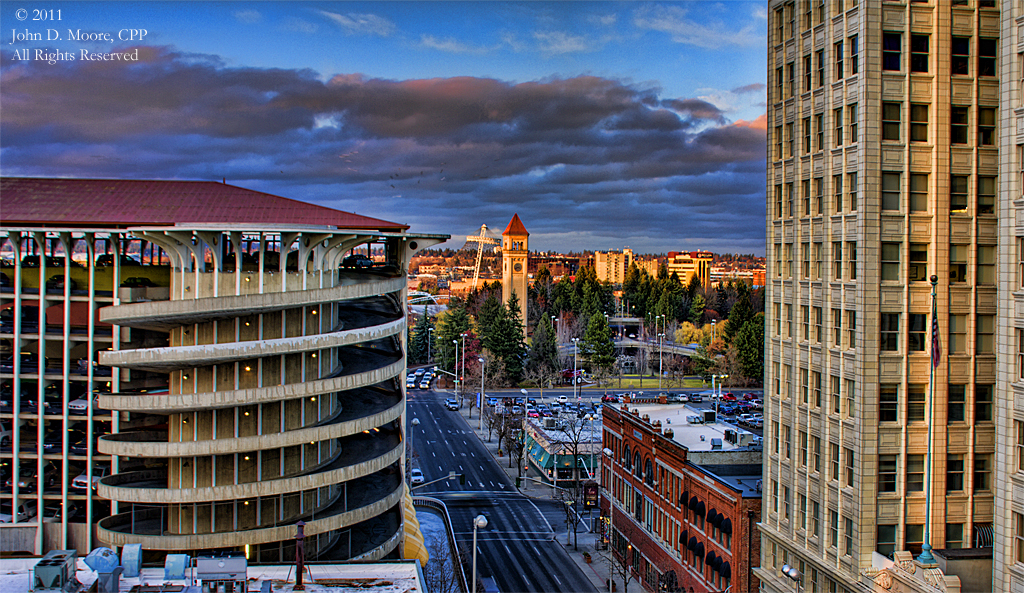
(225, 181)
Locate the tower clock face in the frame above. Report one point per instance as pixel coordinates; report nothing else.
(517, 267)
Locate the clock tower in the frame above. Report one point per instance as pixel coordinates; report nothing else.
(514, 254)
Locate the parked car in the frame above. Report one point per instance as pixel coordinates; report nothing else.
(416, 476)
(563, 399)
(696, 398)
(357, 261)
(80, 406)
(107, 260)
(25, 511)
(28, 480)
(728, 397)
(608, 398)
(56, 282)
(53, 513)
(29, 320)
(749, 396)
(451, 403)
(138, 282)
(81, 481)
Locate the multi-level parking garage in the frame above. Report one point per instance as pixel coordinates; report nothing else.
(251, 376)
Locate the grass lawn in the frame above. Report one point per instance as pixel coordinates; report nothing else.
(649, 383)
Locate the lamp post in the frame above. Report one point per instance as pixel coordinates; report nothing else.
(412, 431)
(482, 399)
(456, 365)
(713, 322)
(463, 380)
(926, 557)
(611, 503)
(791, 573)
(479, 523)
(575, 379)
(430, 338)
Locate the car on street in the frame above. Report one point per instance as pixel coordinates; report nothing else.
(696, 398)
(425, 383)
(749, 396)
(492, 401)
(416, 476)
(533, 414)
(410, 381)
(516, 410)
(609, 398)
(563, 399)
(451, 403)
(728, 397)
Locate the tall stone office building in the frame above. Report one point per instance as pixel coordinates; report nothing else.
(884, 170)
(210, 361)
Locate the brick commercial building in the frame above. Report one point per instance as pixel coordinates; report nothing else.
(197, 367)
(685, 500)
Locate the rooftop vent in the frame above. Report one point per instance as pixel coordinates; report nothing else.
(55, 571)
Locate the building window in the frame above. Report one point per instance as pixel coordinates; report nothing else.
(885, 540)
(785, 502)
(789, 194)
(890, 258)
(958, 263)
(915, 402)
(801, 512)
(954, 536)
(957, 334)
(805, 187)
(816, 390)
(776, 439)
(851, 188)
(986, 126)
(805, 318)
(986, 264)
(891, 121)
(961, 55)
(987, 56)
(985, 334)
(958, 193)
(916, 327)
(1020, 355)
(958, 125)
(915, 473)
(806, 127)
(851, 329)
(887, 473)
(834, 461)
(816, 461)
(986, 195)
(790, 79)
(982, 403)
(956, 400)
(914, 538)
(837, 57)
(982, 472)
(807, 73)
(917, 269)
(837, 194)
(848, 535)
(833, 529)
(789, 310)
(778, 84)
(837, 121)
(778, 142)
(819, 127)
(789, 141)
(888, 403)
(918, 53)
(891, 48)
(890, 191)
(819, 58)
(848, 456)
(803, 446)
(837, 261)
(954, 473)
(837, 331)
(918, 122)
(817, 322)
(851, 120)
(918, 192)
(851, 259)
(854, 63)
(815, 518)
(1018, 537)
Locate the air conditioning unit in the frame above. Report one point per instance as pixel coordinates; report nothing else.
(56, 571)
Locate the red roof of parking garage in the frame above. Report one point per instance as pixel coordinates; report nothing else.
(119, 202)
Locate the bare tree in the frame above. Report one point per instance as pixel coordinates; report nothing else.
(618, 566)
(569, 439)
(513, 441)
(440, 571)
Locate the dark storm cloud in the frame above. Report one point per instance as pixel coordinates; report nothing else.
(606, 158)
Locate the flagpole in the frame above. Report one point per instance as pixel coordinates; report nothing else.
(926, 557)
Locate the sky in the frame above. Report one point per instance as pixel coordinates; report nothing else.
(604, 125)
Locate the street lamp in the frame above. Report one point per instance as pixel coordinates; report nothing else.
(792, 574)
(713, 322)
(430, 339)
(611, 502)
(456, 365)
(479, 523)
(464, 363)
(412, 431)
(575, 379)
(482, 400)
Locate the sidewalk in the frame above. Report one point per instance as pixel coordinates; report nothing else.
(598, 570)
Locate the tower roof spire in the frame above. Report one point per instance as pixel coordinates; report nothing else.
(515, 227)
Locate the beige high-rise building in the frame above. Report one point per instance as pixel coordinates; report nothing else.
(883, 162)
(611, 266)
(688, 264)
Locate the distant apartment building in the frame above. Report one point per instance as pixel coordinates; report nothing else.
(680, 501)
(688, 264)
(611, 266)
(883, 169)
(197, 366)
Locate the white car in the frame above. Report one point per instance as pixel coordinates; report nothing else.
(81, 481)
(563, 399)
(416, 476)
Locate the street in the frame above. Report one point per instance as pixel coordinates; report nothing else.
(518, 548)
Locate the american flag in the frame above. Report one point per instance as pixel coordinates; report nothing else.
(936, 347)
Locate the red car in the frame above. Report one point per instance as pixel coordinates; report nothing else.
(749, 397)
(728, 397)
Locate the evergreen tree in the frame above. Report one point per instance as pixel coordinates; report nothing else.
(542, 356)
(739, 316)
(450, 326)
(697, 310)
(505, 342)
(597, 345)
(749, 346)
(419, 338)
(488, 315)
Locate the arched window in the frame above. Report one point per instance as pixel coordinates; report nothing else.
(637, 464)
(625, 457)
(648, 473)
